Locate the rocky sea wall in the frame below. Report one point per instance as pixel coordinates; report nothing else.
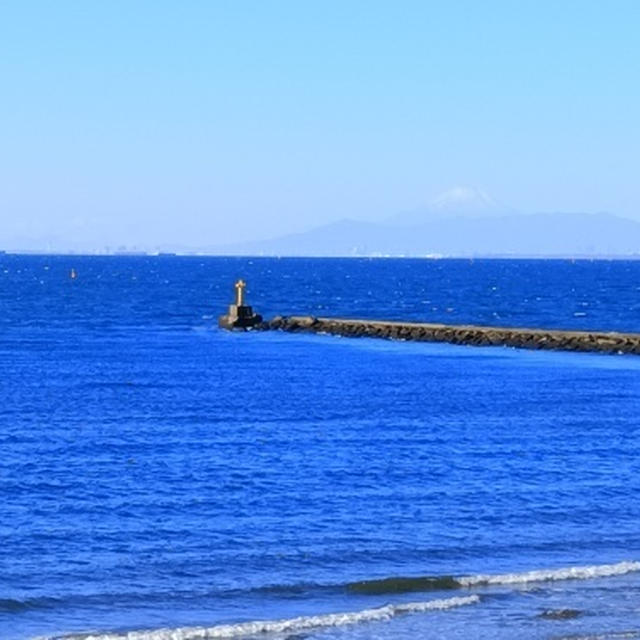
(606, 342)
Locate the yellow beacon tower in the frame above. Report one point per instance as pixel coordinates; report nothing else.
(240, 315)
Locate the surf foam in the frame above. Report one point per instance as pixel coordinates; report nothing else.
(379, 614)
(396, 584)
(550, 575)
(302, 623)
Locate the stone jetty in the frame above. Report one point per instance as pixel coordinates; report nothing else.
(598, 341)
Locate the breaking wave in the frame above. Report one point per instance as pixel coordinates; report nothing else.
(551, 575)
(375, 587)
(439, 583)
(302, 623)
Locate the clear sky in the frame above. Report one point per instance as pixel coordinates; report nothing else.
(200, 122)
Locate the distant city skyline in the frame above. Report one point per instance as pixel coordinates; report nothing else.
(154, 123)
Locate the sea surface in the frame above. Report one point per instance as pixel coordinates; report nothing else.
(161, 479)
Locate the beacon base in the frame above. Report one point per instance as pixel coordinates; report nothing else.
(239, 317)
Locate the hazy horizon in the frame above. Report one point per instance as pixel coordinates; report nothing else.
(146, 125)
(476, 223)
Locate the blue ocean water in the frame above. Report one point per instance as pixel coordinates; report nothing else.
(163, 479)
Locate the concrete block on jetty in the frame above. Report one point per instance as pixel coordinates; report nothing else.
(605, 342)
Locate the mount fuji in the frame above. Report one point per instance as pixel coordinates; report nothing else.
(461, 222)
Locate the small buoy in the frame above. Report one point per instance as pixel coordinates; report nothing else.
(72, 274)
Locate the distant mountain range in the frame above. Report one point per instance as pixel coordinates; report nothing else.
(460, 222)
(559, 234)
(463, 221)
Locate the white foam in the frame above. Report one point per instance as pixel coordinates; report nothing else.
(244, 629)
(380, 614)
(546, 575)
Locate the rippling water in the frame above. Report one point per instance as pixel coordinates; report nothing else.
(158, 473)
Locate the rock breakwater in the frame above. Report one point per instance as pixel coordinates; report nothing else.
(606, 342)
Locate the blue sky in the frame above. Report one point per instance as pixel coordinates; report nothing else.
(201, 122)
